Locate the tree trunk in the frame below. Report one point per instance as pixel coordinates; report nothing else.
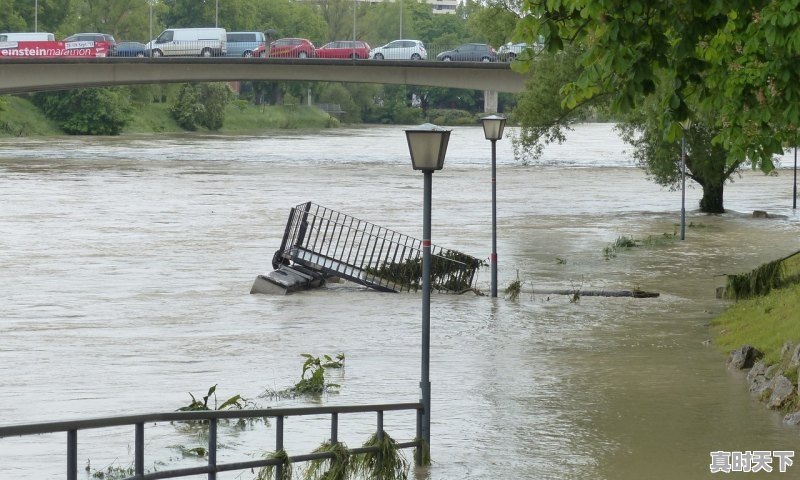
(712, 197)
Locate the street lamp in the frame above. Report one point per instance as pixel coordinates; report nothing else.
(216, 14)
(493, 126)
(685, 125)
(427, 144)
(36, 16)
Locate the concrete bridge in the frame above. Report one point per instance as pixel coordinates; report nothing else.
(19, 75)
(30, 75)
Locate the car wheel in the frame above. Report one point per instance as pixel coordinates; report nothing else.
(486, 59)
(302, 55)
(206, 52)
(511, 56)
(156, 53)
(140, 55)
(353, 56)
(446, 59)
(416, 56)
(247, 54)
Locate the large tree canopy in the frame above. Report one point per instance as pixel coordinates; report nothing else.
(737, 58)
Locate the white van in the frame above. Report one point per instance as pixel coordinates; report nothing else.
(27, 37)
(191, 42)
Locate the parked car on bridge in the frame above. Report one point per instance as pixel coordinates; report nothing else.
(98, 39)
(509, 51)
(469, 52)
(400, 50)
(292, 48)
(344, 49)
(194, 42)
(27, 37)
(242, 44)
(131, 49)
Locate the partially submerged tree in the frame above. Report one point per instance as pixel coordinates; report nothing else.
(730, 67)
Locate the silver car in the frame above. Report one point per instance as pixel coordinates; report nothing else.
(400, 50)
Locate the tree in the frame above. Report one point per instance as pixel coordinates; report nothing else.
(735, 58)
(87, 111)
(706, 162)
(201, 105)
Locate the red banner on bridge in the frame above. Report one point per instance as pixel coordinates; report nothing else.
(53, 49)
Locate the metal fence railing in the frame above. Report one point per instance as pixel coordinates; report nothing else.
(212, 417)
(341, 245)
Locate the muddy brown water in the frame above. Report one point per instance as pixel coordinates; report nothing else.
(126, 265)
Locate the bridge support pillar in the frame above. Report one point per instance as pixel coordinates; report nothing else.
(489, 101)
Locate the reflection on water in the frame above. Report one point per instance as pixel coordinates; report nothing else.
(128, 262)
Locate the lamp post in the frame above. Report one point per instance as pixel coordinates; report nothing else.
(216, 14)
(36, 16)
(493, 126)
(427, 144)
(685, 125)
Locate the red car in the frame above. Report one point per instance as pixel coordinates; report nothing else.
(288, 48)
(344, 49)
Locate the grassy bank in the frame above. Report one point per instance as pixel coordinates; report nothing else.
(765, 322)
(20, 117)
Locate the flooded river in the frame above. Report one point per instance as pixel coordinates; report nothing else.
(126, 267)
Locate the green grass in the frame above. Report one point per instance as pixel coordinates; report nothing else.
(19, 117)
(763, 322)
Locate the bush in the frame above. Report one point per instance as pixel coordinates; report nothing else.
(87, 111)
(201, 106)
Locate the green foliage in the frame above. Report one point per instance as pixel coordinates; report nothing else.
(765, 322)
(312, 379)
(542, 117)
(329, 362)
(732, 61)
(514, 289)
(21, 118)
(268, 472)
(235, 402)
(755, 283)
(626, 243)
(201, 105)
(111, 471)
(87, 111)
(340, 467)
(450, 270)
(195, 452)
(388, 463)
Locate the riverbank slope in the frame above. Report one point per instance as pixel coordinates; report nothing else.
(19, 117)
(762, 333)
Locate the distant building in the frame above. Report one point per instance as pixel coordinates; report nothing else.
(439, 6)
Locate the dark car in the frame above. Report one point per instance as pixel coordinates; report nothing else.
(292, 48)
(469, 52)
(344, 49)
(131, 49)
(98, 39)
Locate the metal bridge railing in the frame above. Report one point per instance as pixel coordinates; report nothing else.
(212, 417)
(380, 258)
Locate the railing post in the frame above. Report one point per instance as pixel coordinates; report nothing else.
(379, 436)
(419, 449)
(279, 445)
(212, 448)
(72, 455)
(138, 450)
(334, 428)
